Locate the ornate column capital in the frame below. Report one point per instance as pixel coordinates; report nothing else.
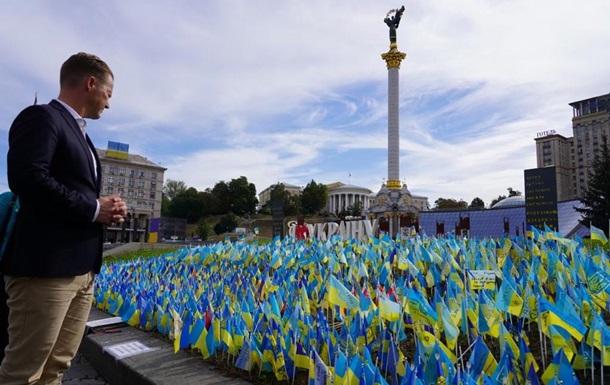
(394, 184)
(393, 57)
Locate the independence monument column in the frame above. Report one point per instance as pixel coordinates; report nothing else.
(393, 204)
(393, 58)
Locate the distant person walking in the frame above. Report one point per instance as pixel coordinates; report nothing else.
(302, 231)
(56, 245)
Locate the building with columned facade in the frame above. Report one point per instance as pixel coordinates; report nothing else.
(341, 197)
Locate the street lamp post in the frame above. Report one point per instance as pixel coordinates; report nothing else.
(134, 225)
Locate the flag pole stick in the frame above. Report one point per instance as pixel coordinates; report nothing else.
(465, 351)
(415, 325)
(465, 314)
(235, 357)
(529, 317)
(601, 331)
(249, 342)
(540, 332)
(346, 360)
(395, 358)
(294, 369)
(400, 324)
(327, 331)
(260, 369)
(314, 365)
(382, 325)
(590, 233)
(592, 363)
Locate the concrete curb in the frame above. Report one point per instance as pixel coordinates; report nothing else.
(160, 366)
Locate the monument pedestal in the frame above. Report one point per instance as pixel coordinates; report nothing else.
(395, 210)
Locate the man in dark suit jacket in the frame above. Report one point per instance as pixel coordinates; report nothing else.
(56, 246)
(3, 320)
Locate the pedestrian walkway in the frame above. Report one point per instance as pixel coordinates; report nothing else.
(82, 373)
(127, 356)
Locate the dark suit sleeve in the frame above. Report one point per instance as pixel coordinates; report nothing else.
(34, 146)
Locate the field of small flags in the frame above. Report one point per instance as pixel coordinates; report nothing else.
(422, 310)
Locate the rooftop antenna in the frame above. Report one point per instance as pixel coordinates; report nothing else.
(35, 97)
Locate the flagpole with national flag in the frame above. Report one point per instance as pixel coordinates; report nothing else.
(597, 234)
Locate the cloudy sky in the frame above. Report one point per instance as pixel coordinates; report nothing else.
(292, 91)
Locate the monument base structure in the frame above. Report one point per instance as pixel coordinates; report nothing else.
(395, 211)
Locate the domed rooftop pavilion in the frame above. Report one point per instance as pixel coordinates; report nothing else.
(514, 201)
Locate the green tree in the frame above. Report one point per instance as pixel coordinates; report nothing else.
(292, 202)
(496, 200)
(203, 229)
(221, 195)
(313, 197)
(207, 201)
(278, 192)
(165, 206)
(172, 188)
(449, 204)
(477, 203)
(187, 205)
(355, 210)
(597, 194)
(242, 196)
(511, 193)
(226, 224)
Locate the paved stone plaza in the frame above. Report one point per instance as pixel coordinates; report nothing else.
(82, 373)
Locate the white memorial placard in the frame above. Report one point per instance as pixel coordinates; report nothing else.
(104, 322)
(482, 279)
(128, 349)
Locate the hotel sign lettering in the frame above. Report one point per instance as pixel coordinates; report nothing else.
(545, 133)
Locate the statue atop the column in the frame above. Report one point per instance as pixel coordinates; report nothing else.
(393, 21)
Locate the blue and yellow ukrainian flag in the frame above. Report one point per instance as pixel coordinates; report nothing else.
(598, 235)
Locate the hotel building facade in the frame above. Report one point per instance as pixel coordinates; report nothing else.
(573, 156)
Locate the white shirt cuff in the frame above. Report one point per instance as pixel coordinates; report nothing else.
(97, 210)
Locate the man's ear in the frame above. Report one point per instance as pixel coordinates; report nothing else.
(91, 83)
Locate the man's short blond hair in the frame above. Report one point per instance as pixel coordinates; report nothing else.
(81, 65)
